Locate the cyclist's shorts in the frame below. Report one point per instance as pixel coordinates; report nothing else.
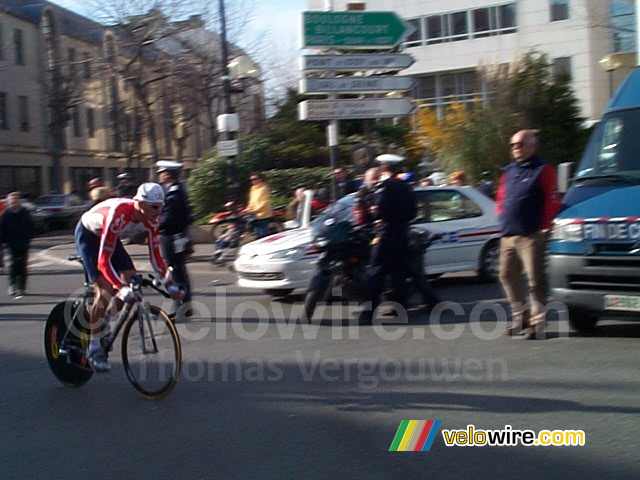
(88, 245)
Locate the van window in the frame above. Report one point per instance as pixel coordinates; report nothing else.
(614, 147)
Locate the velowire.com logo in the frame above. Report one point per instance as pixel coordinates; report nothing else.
(415, 435)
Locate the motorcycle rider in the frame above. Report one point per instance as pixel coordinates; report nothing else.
(364, 202)
(394, 207)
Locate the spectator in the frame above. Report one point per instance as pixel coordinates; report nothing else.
(16, 232)
(173, 227)
(126, 188)
(294, 210)
(458, 178)
(526, 204)
(2, 207)
(259, 205)
(344, 184)
(97, 191)
(426, 182)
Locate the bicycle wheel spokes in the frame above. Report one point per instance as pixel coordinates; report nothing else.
(151, 353)
(66, 338)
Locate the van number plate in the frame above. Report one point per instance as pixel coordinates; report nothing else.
(627, 303)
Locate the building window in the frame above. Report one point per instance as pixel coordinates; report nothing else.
(86, 66)
(416, 37)
(459, 26)
(559, 10)
(444, 89)
(4, 120)
(18, 44)
(91, 126)
(561, 66)
(623, 26)
(494, 20)
(23, 111)
(436, 29)
(75, 119)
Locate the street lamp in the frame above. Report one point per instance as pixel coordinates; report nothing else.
(239, 68)
(610, 63)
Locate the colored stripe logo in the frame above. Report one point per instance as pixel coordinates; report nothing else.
(415, 435)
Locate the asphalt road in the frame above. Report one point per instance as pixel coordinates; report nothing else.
(262, 397)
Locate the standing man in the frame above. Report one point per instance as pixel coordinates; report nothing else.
(16, 232)
(526, 203)
(173, 226)
(125, 188)
(344, 184)
(394, 208)
(259, 205)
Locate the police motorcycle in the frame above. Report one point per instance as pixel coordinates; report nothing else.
(341, 271)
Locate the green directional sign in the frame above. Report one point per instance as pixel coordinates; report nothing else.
(352, 30)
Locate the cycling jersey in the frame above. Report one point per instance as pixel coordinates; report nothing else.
(112, 219)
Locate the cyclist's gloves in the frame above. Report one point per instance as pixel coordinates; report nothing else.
(172, 289)
(125, 294)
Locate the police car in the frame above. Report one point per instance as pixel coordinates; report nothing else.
(465, 217)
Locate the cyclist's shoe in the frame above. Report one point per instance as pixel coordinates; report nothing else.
(98, 360)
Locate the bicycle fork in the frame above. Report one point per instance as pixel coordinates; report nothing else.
(144, 317)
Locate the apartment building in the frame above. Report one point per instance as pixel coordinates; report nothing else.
(70, 111)
(593, 41)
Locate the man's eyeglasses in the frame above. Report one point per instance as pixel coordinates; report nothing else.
(516, 145)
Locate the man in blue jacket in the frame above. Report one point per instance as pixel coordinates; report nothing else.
(526, 203)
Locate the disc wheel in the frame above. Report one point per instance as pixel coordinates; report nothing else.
(66, 338)
(151, 353)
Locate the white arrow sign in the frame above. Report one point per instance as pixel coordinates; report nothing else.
(356, 84)
(352, 63)
(352, 109)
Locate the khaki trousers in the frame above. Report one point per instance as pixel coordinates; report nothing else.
(518, 253)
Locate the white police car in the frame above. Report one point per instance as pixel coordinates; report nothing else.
(466, 218)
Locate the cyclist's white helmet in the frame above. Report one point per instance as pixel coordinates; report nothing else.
(150, 193)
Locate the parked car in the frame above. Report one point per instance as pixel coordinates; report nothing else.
(464, 217)
(59, 210)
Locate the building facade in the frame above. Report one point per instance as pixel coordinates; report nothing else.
(76, 102)
(453, 38)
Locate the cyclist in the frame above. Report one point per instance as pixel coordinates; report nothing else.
(108, 264)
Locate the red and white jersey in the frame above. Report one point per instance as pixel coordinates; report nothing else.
(115, 218)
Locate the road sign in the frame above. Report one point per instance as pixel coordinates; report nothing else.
(352, 63)
(228, 148)
(355, 84)
(352, 109)
(349, 30)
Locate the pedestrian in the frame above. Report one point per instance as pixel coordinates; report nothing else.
(2, 207)
(394, 207)
(97, 191)
(126, 188)
(426, 182)
(259, 205)
(16, 231)
(173, 229)
(294, 207)
(344, 184)
(526, 204)
(458, 179)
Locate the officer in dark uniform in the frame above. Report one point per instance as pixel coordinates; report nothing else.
(395, 207)
(174, 227)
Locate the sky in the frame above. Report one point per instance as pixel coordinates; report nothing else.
(271, 39)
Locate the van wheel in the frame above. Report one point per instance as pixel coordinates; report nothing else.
(490, 262)
(582, 321)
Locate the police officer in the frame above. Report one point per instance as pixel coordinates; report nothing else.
(174, 227)
(395, 207)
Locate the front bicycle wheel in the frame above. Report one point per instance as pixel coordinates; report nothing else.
(66, 338)
(151, 353)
